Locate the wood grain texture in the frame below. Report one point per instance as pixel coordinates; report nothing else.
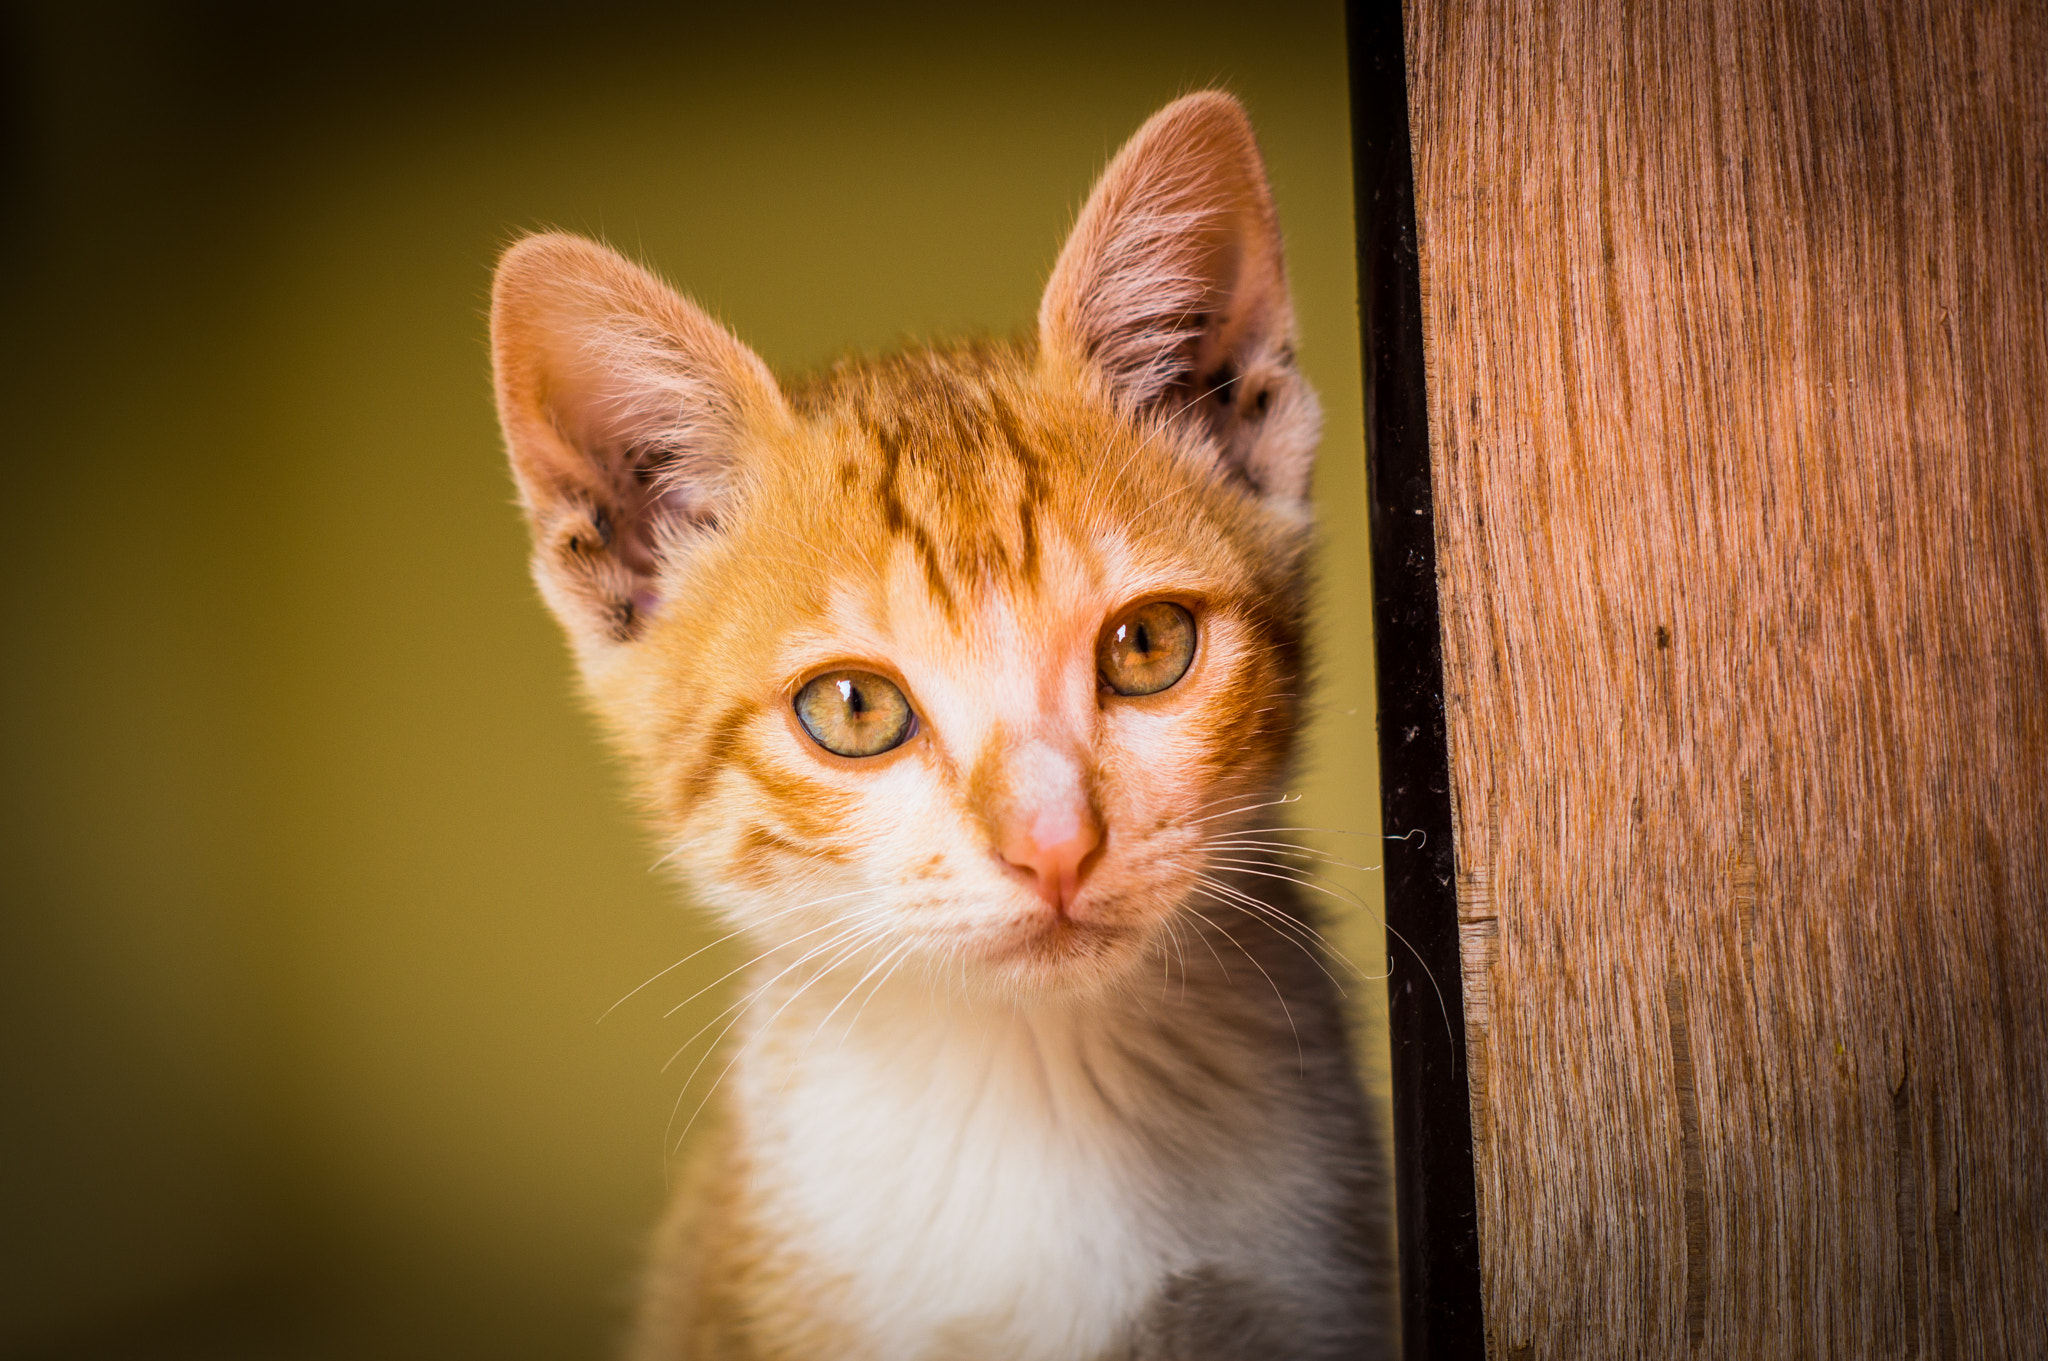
(1739, 408)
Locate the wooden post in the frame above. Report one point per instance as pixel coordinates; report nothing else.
(1736, 321)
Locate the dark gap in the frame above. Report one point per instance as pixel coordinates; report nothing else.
(1436, 1210)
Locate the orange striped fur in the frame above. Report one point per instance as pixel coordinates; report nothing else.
(966, 522)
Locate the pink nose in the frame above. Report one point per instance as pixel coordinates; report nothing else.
(1054, 848)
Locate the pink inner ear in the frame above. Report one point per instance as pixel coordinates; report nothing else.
(1172, 284)
(598, 364)
(1175, 261)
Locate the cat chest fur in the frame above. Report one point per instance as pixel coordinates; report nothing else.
(1000, 1182)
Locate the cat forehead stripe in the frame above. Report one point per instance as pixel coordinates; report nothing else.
(954, 470)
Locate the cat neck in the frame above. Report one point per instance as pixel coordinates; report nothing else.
(1185, 1041)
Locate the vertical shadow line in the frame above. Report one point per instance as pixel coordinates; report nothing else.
(1436, 1214)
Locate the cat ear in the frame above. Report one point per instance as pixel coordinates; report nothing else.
(624, 408)
(1171, 294)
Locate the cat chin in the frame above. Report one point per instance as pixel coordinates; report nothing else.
(1065, 958)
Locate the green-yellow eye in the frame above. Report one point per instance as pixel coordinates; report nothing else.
(854, 713)
(1147, 650)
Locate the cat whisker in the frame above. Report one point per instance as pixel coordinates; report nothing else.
(861, 934)
(1300, 876)
(1255, 865)
(1251, 808)
(1298, 923)
(1173, 934)
(903, 956)
(757, 959)
(1162, 499)
(1283, 848)
(1283, 926)
(1294, 929)
(737, 1010)
(1164, 426)
(740, 931)
(1211, 923)
(684, 1090)
(1356, 901)
(1228, 798)
(1291, 827)
(861, 938)
(1222, 968)
(1300, 1057)
(876, 968)
(1260, 860)
(741, 1001)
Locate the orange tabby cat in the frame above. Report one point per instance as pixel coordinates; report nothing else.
(957, 680)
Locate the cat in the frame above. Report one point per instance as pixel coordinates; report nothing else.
(959, 681)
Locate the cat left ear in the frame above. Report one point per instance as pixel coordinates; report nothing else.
(1172, 295)
(626, 411)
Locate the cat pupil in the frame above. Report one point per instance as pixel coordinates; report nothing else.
(1141, 640)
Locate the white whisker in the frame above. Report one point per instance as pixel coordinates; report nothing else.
(1356, 901)
(1281, 925)
(739, 931)
(1300, 1058)
(1251, 808)
(838, 959)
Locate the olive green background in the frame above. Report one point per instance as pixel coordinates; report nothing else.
(316, 880)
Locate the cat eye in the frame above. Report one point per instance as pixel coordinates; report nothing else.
(854, 713)
(1146, 650)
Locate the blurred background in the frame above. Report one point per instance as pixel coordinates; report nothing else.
(316, 879)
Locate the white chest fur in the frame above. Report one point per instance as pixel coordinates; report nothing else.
(982, 1181)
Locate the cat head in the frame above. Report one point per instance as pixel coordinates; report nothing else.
(956, 657)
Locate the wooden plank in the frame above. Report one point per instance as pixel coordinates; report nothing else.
(1738, 407)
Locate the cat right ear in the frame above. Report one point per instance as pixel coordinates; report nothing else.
(1171, 295)
(624, 408)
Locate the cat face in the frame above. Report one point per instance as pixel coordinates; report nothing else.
(952, 660)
